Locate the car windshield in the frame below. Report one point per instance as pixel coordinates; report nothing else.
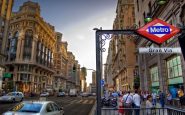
(27, 107)
(11, 94)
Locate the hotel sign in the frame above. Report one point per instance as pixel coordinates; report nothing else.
(160, 50)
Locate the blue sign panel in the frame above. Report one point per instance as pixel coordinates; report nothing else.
(102, 82)
(159, 29)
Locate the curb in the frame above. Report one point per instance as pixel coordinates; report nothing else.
(92, 112)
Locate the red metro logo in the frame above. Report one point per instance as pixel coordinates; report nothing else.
(158, 31)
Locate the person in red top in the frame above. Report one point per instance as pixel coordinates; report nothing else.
(120, 104)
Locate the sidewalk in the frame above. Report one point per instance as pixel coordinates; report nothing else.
(157, 111)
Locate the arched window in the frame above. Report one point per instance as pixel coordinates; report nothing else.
(28, 45)
(13, 46)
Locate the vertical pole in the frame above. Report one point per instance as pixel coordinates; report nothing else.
(98, 74)
(181, 39)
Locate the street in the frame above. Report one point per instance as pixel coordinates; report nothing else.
(71, 105)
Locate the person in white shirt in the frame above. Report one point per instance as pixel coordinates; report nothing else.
(127, 102)
(149, 105)
(137, 102)
(154, 101)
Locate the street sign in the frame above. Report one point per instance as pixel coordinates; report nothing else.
(158, 31)
(102, 82)
(160, 50)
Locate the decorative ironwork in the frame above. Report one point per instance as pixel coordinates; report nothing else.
(103, 39)
(107, 35)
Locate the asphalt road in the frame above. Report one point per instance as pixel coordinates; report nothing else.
(71, 105)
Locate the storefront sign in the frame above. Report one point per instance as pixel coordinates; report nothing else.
(159, 50)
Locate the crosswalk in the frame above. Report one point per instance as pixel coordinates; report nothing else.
(72, 100)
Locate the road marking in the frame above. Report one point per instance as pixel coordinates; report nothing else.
(85, 101)
(80, 101)
(91, 102)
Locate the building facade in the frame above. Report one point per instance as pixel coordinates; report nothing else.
(71, 73)
(29, 50)
(160, 71)
(5, 13)
(123, 48)
(60, 64)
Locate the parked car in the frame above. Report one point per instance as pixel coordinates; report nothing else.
(93, 94)
(61, 94)
(36, 108)
(85, 94)
(73, 92)
(12, 97)
(44, 94)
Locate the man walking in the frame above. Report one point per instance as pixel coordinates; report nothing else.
(127, 103)
(162, 98)
(154, 100)
(137, 102)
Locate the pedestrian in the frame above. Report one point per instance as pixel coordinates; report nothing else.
(154, 98)
(137, 102)
(127, 103)
(169, 98)
(120, 105)
(162, 98)
(149, 105)
(145, 96)
(181, 96)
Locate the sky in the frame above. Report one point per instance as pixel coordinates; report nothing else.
(75, 19)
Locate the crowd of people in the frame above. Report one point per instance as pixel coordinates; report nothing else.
(137, 99)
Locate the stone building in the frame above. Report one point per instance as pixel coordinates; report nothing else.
(29, 49)
(5, 13)
(94, 78)
(109, 84)
(70, 71)
(160, 71)
(122, 55)
(77, 76)
(60, 64)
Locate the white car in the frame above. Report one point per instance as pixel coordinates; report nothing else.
(36, 108)
(12, 97)
(85, 94)
(44, 94)
(61, 94)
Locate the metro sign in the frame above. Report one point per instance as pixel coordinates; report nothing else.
(158, 31)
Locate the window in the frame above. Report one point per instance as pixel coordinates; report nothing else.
(49, 108)
(154, 74)
(13, 46)
(174, 67)
(28, 45)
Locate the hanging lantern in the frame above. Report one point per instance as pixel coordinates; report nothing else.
(161, 2)
(148, 19)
